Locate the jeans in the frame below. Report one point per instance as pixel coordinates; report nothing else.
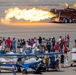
(14, 49)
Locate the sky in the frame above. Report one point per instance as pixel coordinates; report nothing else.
(26, 2)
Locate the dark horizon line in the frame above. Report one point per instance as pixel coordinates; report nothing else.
(58, 4)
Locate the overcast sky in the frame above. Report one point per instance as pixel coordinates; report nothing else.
(36, 1)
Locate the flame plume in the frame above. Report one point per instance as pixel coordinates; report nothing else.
(74, 5)
(28, 15)
(67, 5)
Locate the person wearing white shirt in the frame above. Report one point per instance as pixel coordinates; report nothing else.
(34, 47)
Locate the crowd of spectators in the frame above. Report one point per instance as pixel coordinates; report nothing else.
(37, 45)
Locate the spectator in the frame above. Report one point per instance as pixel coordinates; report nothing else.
(2, 49)
(40, 40)
(23, 42)
(53, 42)
(21, 45)
(14, 45)
(23, 49)
(68, 39)
(46, 59)
(62, 60)
(46, 62)
(64, 41)
(61, 45)
(66, 61)
(48, 47)
(8, 42)
(28, 51)
(59, 40)
(4, 42)
(57, 47)
(65, 49)
(18, 44)
(43, 41)
(52, 61)
(34, 48)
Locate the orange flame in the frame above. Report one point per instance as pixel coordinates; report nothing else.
(67, 5)
(28, 15)
(74, 5)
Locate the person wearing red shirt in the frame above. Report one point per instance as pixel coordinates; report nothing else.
(68, 37)
(57, 47)
(64, 41)
(65, 49)
(68, 40)
(8, 42)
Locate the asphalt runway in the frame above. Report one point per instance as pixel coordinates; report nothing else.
(23, 30)
(62, 71)
(30, 30)
(47, 30)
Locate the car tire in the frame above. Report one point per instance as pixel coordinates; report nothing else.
(65, 20)
(70, 20)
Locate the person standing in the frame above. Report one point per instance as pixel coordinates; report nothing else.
(62, 60)
(65, 49)
(53, 43)
(68, 40)
(52, 61)
(18, 44)
(46, 62)
(60, 43)
(8, 43)
(34, 48)
(48, 46)
(57, 47)
(14, 45)
(66, 61)
(40, 40)
(4, 42)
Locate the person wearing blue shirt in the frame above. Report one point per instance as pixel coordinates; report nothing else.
(27, 51)
(52, 61)
(14, 45)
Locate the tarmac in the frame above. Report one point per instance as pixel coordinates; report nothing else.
(62, 71)
(29, 30)
(23, 30)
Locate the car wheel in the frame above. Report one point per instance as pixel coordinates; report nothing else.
(70, 21)
(65, 20)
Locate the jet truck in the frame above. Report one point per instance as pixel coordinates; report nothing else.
(67, 15)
